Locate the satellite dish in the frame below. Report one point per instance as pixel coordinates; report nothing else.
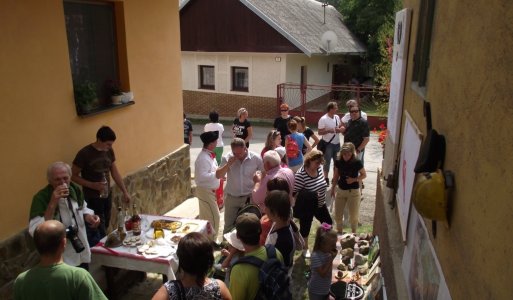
(329, 41)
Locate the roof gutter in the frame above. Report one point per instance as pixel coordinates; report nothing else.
(276, 27)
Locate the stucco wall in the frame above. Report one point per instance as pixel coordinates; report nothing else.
(38, 122)
(264, 71)
(469, 88)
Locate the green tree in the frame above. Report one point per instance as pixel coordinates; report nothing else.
(372, 21)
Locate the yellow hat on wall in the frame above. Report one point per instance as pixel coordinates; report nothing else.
(430, 197)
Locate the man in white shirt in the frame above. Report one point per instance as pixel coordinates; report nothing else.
(207, 182)
(350, 103)
(329, 127)
(239, 165)
(63, 200)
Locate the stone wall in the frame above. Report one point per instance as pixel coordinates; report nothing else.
(201, 103)
(17, 254)
(159, 187)
(155, 189)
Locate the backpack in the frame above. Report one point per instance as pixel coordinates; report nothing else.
(272, 275)
(292, 148)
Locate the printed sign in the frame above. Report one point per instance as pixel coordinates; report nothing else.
(354, 291)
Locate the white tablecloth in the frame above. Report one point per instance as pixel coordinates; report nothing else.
(128, 258)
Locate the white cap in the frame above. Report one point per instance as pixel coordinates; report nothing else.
(281, 151)
(231, 237)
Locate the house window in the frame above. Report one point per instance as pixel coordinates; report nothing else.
(207, 77)
(240, 79)
(93, 52)
(423, 43)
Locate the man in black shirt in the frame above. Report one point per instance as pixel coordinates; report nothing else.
(357, 132)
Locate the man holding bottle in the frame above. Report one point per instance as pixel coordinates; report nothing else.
(92, 168)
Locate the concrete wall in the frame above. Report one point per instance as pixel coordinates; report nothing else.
(469, 88)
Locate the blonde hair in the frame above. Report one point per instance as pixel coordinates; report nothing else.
(313, 155)
(347, 148)
(241, 111)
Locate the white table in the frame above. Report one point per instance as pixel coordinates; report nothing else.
(128, 258)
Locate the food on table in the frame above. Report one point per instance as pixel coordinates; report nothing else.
(132, 241)
(189, 227)
(167, 224)
(175, 239)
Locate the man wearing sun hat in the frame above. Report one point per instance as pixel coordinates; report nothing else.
(281, 122)
(244, 281)
(207, 182)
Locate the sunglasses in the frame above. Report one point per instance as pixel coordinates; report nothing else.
(284, 110)
(354, 111)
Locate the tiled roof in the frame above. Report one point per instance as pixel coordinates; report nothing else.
(302, 22)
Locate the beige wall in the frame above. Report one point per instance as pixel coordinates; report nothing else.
(470, 91)
(38, 122)
(264, 72)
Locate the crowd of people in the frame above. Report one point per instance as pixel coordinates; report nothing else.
(264, 190)
(286, 179)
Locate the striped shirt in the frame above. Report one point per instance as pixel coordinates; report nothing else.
(317, 284)
(315, 184)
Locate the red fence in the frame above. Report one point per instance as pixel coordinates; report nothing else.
(310, 100)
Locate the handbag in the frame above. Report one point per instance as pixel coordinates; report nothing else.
(299, 242)
(321, 146)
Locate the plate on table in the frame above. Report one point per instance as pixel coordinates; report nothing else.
(167, 224)
(189, 227)
(176, 237)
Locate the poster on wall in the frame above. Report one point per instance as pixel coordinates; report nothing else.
(411, 141)
(423, 275)
(397, 80)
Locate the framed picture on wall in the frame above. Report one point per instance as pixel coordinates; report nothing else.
(410, 148)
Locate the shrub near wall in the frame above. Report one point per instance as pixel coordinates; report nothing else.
(201, 103)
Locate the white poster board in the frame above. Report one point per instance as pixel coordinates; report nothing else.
(422, 272)
(411, 141)
(397, 80)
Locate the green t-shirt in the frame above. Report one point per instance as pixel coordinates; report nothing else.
(244, 281)
(59, 281)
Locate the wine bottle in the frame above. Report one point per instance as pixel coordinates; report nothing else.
(136, 222)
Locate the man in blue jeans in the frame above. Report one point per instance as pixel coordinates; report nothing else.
(329, 127)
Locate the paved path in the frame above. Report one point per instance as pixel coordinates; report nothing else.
(373, 157)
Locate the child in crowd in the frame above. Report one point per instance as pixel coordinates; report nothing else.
(277, 209)
(324, 252)
(232, 253)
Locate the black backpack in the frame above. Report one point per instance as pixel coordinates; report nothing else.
(272, 275)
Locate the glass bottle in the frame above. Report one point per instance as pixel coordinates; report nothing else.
(121, 224)
(158, 232)
(136, 222)
(128, 220)
(105, 192)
